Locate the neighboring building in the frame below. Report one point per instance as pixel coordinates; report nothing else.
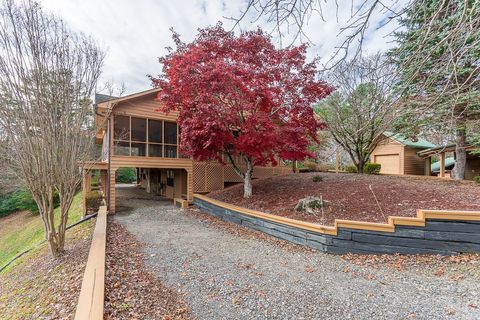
(146, 139)
(398, 155)
(444, 166)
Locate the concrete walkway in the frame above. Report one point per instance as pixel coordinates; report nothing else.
(227, 276)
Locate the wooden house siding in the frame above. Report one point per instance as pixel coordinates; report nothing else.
(413, 164)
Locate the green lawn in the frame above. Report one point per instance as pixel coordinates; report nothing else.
(20, 231)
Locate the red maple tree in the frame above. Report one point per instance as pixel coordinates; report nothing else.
(240, 99)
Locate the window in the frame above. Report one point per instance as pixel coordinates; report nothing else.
(122, 148)
(141, 137)
(170, 133)
(170, 151)
(155, 150)
(155, 131)
(170, 177)
(138, 149)
(121, 126)
(139, 129)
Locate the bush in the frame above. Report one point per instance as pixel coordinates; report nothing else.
(476, 179)
(311, 166)
(93, 199)
(317, 178)
(372, 168)
(21, 200)
(94, 184)
(126, 175)
(351, 169)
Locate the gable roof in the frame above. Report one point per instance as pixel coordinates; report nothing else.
(419, 144)
(132, 96)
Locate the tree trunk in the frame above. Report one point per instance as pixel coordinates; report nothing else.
(247, 180)
(458, 171)
(360, 164)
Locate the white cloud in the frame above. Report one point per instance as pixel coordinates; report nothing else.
(135, 33)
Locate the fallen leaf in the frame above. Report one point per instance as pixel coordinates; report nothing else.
(456, 278)
(309, 269)
(440, 272)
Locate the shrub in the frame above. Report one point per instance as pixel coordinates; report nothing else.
(311, 166)
(126, 175)
(317, 178)
(93, 200)
(372, 168)
(8, 204)
(351, 169)
(21, 200)
(94, 184)
(476, 179)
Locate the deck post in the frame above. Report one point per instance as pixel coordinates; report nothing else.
(442, 165)
(85, 189)
(189, 186)
(112, 191)
(428, 165)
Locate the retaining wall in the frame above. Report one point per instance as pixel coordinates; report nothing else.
(431, 232)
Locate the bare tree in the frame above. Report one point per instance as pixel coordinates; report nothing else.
(362, 109)
(47, 75)
(291, 17)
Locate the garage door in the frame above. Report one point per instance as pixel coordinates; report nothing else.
(390, 163)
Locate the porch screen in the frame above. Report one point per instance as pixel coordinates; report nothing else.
(145, 137)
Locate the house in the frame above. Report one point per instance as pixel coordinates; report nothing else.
(133, 134)
(398, 155)
(446, 156)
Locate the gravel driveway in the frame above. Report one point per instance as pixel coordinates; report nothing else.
(229, 276)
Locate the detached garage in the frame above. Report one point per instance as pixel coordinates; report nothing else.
(398, 155)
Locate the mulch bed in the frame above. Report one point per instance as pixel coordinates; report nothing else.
(131, 290)
(41, 287)
(354, 196)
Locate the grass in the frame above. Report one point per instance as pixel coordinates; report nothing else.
(38, 286)
(22, 230)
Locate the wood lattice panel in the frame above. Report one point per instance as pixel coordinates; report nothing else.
(229, 175)
(262, 172)
(199, 177)
(213, 177)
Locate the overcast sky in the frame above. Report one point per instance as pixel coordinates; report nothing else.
(134, 33)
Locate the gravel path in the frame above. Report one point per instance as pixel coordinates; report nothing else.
(229, 276)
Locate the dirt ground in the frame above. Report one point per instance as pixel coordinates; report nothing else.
(354, 196)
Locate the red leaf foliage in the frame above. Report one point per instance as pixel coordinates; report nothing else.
(242, 95)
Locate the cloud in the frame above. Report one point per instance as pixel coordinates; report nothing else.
(135, 33)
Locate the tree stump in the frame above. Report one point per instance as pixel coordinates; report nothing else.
(310, 205)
